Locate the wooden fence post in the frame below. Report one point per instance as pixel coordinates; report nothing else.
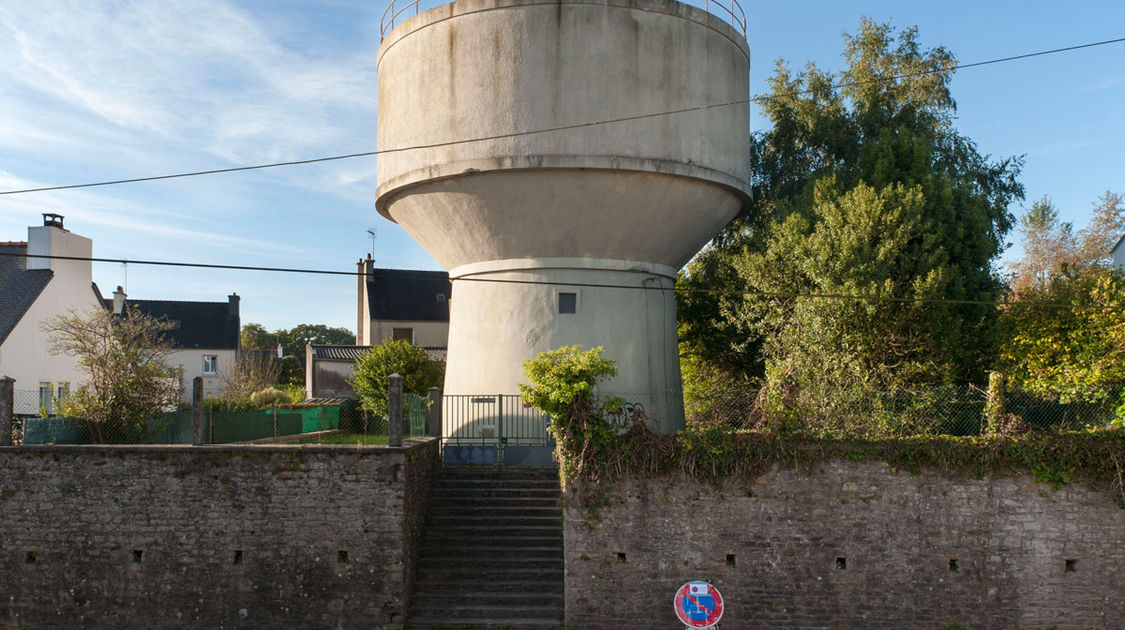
(394, 410)
(7, 406)
(197, 411)
(434, 430)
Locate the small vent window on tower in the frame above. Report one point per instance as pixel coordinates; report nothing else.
(568, 303)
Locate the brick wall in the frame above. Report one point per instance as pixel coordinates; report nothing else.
(851, 545)
(210, 537)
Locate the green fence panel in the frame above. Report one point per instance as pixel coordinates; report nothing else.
(55, 431)
(415, 410)
(172, 428)
(245, 426)
(311, 419)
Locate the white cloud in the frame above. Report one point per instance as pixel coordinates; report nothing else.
(200, 73)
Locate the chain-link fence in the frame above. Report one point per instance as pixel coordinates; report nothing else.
(859, 412)
(220, 426)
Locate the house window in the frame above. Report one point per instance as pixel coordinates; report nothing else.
(403, 334)
(45, 399)
(568, 303)
(63, 391)
(210, 364)
(440, 297)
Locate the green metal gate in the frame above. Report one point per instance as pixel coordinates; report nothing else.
(494, 430)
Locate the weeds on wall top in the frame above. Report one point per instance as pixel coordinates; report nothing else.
(563, 385)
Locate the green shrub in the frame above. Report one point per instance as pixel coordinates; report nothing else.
(270, 396)
(369, 379)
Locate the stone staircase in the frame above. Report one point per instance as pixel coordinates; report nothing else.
(492, 554)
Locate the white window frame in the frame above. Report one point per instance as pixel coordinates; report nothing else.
(577, 301)
(213, 360)
(46, 397)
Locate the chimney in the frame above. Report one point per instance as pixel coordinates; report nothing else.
(51, 219)
(119, 301)
(232, 304)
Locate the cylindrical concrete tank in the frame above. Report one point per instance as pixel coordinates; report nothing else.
(574, 235)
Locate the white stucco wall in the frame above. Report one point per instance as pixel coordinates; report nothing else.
(25, 354)
(428, 334)
(191, 360)
(1119, 255)
(607, 211)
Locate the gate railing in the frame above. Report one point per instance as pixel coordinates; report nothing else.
(728, 10)
(492, 419)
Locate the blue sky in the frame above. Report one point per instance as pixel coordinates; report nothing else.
(98, 90)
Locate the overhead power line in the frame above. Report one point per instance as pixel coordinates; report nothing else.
(517, 134)
(642, 287)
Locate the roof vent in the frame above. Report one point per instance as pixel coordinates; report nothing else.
(50, 219)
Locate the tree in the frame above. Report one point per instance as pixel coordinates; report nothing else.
(293, 340)
(1052, 250)
(1066, 341)
(254, 336)
(1064, 333)
(127, 380)
(250, 374)
(862, 187)
(369, 378)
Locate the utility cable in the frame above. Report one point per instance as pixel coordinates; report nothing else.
(954, 68)
(642, 287)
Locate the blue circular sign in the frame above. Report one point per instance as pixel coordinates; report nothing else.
(698, 604)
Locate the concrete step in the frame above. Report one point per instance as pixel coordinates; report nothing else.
(487, 609)
(498, 488)
(477, 473)
(512, 543)
(485, 551)
(437, 586)
(492, 552)
(494, 519)
(428, 623)
(475, 576)
(439, 562)
(475, 597)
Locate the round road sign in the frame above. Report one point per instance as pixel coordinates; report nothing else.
(698, 605)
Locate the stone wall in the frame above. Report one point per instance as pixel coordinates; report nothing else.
(210, 537)
(849, 545)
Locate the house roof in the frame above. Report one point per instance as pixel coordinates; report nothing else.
(352, 353)
(210, 325)
(409, 295)
(19, 287)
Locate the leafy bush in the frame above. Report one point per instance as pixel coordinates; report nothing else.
(270, 396)
(418, 370)
(562, 386)
(123, 359)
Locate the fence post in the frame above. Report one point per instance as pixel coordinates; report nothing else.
(7, 406)
(435, 412)
(394, 410)
(197, 411)
(994, 407)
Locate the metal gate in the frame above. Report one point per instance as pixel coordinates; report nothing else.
(494, 430)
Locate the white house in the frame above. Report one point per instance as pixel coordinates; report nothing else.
(1118, 254)
(405, 304)
(205, 335)
(34, 290)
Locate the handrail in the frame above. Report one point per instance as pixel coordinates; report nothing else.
(390, 15)
(735, 14)
(729, 10)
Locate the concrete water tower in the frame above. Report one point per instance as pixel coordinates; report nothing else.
(574, 235)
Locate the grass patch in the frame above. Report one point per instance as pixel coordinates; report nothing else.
(359, 439)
